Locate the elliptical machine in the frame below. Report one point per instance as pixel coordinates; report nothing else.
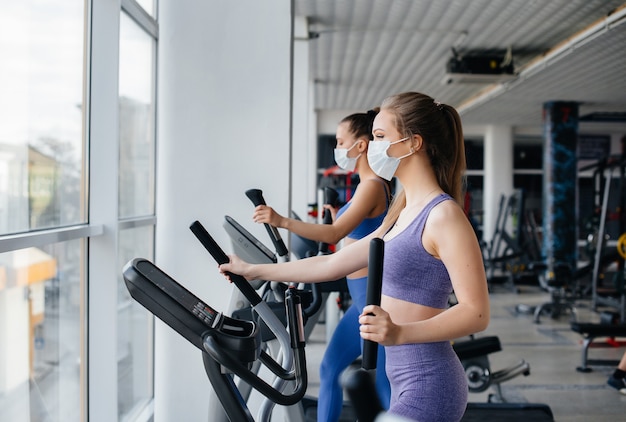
(230, 347)
(275, 331)
(314, 296)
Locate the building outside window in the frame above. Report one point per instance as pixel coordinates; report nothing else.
(44, 206)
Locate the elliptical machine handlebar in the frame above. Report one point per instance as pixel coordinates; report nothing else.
(330, 197)
(359, 383)
(256, 196)
(293, 305)
(221, 258)
(291, 341)
(374, 285)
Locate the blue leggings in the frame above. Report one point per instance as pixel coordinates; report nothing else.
(343, 349)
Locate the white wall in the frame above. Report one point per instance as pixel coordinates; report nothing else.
(223, 125)
(327, 120)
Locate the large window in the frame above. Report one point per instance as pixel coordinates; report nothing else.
(137, 120)
(48, 232)
(40, 335)
(135, 332)
(41, 120)
(42, 183)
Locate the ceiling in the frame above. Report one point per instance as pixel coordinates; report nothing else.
(563, 50)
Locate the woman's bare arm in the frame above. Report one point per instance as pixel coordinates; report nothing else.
(367, 198)
(309, 270)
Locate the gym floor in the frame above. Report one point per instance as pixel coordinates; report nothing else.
(552, 350)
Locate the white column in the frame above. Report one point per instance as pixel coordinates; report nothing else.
(304, 157)
(498, 176)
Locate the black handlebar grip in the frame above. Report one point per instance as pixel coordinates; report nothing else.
(374, 285)
(221, 258)
(256, 196)
(330, 198)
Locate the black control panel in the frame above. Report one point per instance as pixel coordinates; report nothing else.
(184, 312)
(178, 293)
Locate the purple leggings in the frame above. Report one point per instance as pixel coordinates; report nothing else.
(428, 383)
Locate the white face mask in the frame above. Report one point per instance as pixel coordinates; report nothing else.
(342, 159)
(382, 164)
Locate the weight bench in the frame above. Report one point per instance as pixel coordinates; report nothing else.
(591, 331)
(474, 353)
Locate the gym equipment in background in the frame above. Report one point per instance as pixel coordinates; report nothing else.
(474, 355)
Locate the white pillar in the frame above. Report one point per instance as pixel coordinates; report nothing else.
(304, 157)
(498, 176)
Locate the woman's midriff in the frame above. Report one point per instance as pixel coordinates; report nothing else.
(402, 311)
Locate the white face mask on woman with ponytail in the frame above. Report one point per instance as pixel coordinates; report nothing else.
(381, 163)
(342, 159)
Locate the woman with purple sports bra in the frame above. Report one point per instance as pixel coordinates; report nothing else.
(431, 251)
(356, 219)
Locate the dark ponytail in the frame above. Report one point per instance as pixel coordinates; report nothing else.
(360, 124)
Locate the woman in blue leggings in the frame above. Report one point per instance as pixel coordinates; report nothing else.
(431, 251)
(356, 219)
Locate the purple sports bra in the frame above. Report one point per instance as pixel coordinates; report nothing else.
(410, 273)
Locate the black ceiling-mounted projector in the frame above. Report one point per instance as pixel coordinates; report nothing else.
(481, 65)
(479, 68)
